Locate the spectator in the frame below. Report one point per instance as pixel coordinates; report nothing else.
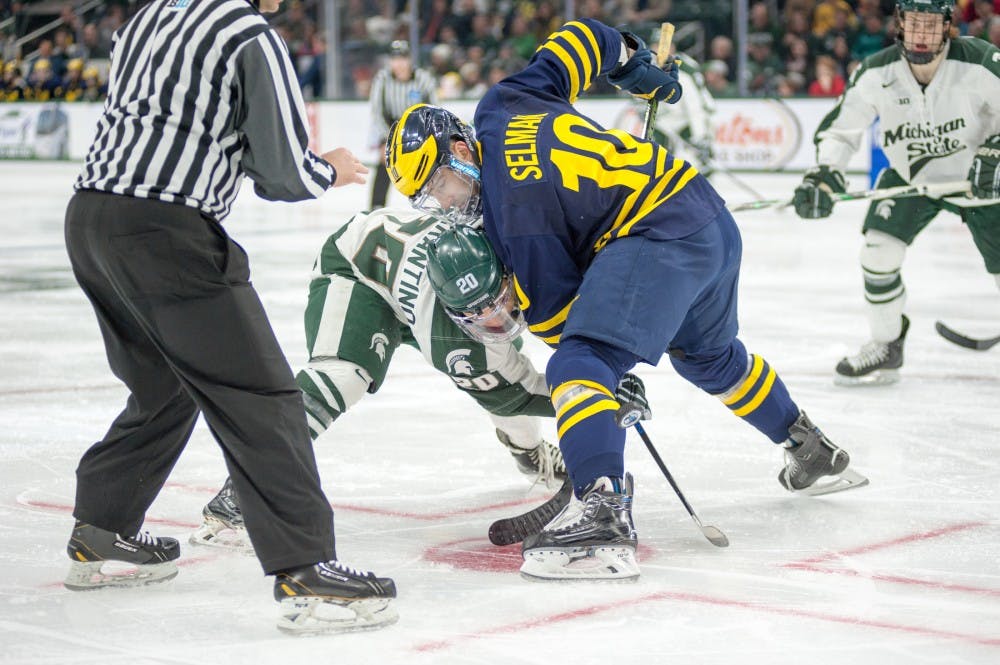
(14, 86)
(798, 59)
(520, 37)
(825, 16)
(63, 50)
(761, 22)
(993, 31)
(829, 82)
(473, 86)
(44, 53)
(43, 84)
(93, 87)
(433, 18)
(645, 11)
(871, 38)
(717, 81)
(721, 48)
(92, 46)
(73, 85)
(763, 66)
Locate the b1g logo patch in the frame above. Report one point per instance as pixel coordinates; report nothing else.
(178, 4)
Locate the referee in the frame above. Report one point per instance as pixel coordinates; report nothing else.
(201, 93)
(395, 88)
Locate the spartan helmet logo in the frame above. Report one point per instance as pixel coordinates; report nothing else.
(458, 362)
(378, 345)
(884, 208)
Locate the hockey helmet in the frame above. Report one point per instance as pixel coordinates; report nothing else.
(422, 165)
(469, 280)
(921, 46)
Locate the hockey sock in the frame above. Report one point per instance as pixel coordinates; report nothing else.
(328, 389)
(583, 387)
(762, 400)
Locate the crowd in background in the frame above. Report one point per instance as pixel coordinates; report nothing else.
(795, 47)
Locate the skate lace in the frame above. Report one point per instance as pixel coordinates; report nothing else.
(344, 568)
(549, 461)
(144, 538)
(870, 354)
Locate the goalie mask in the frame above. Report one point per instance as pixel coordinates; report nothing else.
(469, 280)
(420, 156)
(922, 28)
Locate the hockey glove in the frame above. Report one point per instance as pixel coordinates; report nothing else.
(812, 198)
(640, 76)
(632, 405)
(984, 174)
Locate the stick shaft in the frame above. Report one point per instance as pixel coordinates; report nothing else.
(662, 52)
(933, 190)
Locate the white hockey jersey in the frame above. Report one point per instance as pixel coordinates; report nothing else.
(929, 134)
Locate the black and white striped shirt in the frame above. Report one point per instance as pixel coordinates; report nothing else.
(201, 93)
(390, 97)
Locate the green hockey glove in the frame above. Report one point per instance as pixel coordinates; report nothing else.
(984, 174)
(812, 198)
(632, 405)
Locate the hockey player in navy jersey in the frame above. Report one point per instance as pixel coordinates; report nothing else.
(609, 249)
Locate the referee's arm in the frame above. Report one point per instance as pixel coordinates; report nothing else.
(272, 119)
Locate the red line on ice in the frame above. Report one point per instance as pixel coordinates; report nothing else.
(549, 620)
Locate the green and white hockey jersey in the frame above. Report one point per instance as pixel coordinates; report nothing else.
(368, 295)
(929, 133)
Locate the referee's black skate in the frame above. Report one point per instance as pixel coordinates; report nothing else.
(106, 559)
(809, 456)
(877, 363)
(592, 538)
(222, 523)
(544, 463)
(331, 597)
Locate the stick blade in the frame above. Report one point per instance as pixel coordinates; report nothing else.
(715, 536)
(510, 530)
(965, 341)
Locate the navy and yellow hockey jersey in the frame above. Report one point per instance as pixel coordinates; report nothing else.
(557, 187)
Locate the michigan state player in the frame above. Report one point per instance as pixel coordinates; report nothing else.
(614, 251)
(367, 297)
(938, 104)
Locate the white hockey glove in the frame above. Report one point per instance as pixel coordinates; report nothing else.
(984, 174)
(632, 405)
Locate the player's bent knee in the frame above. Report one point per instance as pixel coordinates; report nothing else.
(715, 371)
(881, 252)
(336, 382)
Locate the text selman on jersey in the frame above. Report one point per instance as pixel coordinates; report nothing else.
(930, 134)
(558, 187)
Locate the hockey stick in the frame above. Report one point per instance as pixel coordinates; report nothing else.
(512, 530)
(936, 190)
(713, 534)
(965, 341)
(662, 51)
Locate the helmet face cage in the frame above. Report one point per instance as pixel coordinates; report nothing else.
(495, 319)
(918, 25)
(451, 191)
(419, 144)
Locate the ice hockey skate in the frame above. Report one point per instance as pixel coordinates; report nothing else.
(543, 464)
(331, 597)
(592, 538)
(222, 523)
(812, 457)
(106, 559)
(877, 363)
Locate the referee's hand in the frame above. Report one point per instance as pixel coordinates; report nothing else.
(349, 169)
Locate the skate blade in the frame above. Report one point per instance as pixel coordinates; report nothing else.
(315, 615)
(593, 563)
(89, 575)
(882, 377)
(847, 480)
(216, 533)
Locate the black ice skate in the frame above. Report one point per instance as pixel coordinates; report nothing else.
(106, 559)
(222, 523)
(333, 597)
(813, 457)
(877, 363)
(592, 538)
(543, 464)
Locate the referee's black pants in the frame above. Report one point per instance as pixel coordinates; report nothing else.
(185, 331)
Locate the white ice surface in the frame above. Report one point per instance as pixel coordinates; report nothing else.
(904, 571)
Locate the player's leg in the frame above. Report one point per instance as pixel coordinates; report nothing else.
(706, 352)
(984, 224)
(890, 226)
